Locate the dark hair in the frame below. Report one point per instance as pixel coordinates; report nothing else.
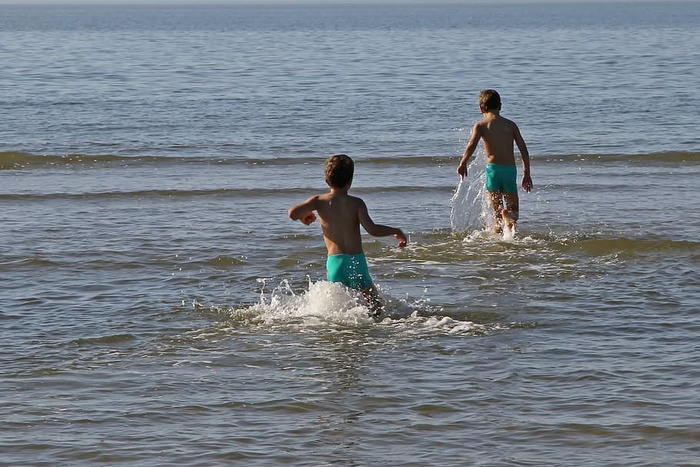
(489, 100)
(339, 171)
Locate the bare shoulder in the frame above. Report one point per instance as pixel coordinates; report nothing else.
(480, 124)
(320, 200)
(356, 201)
(511, 123)
(479, 128)
(316, 198)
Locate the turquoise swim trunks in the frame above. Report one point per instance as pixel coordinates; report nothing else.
(349, 270)
(501, 178)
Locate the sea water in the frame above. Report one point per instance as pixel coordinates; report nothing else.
(158, 307)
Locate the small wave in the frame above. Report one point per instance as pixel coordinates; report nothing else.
(319, 160)
(15, 160)
(631, 247)
(194, 192)
(30, 262)
(145, 194)
(19, 160)
(102, 340)
(223, 261)
(656, 158)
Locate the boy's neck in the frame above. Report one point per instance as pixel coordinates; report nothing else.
(340, 191)
(491, 113)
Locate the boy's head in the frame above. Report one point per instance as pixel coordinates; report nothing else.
(339, 171)
(489, 100)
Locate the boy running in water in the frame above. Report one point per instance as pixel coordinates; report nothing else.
(341, 216)
(499, 134)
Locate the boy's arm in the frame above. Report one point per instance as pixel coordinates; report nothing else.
(525, 155)
(304, 212)
(469, 150)
(378, 230)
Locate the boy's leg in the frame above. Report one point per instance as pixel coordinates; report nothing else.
(373, 303)
(512, 211)
(497, 205)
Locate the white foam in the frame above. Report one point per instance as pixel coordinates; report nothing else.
(481, 235)
(508, 234)
(321, 302)
(329, 304)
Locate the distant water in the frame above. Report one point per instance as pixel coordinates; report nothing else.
(159, 308)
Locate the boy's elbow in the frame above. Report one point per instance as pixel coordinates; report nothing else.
(372, 230)
(379, 231)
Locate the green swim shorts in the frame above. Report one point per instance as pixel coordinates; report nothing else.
(501, 178)
(349, 270)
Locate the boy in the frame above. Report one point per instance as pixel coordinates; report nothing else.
(341, 216)
(498, 134)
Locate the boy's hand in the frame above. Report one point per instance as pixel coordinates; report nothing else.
(527, 183)
(402, 239)
(462, 170)
(309, 218)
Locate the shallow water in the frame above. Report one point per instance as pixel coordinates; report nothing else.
(158, 306)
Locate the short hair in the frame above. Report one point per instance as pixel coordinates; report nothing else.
(489, 100)
(339, 171)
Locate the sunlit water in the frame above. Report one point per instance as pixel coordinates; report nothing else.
(159, 308)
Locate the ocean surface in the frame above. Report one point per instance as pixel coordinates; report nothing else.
(158, 307)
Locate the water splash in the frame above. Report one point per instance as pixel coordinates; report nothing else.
(470, 204)
(326, 304)
(471, 207)
(321, 302)
(508, 234)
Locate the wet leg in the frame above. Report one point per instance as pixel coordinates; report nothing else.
(497, 205)
(512, 211)
(374, 304)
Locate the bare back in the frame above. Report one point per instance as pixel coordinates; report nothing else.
(340, 216)
(498, 134)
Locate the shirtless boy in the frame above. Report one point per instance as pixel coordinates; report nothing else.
(341, 216)
(498, 134)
